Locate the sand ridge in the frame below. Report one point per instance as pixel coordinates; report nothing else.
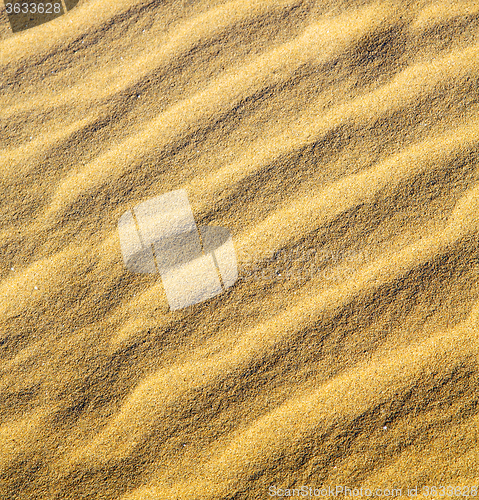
(338, 142)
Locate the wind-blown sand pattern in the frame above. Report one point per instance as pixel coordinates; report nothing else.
(338, 142)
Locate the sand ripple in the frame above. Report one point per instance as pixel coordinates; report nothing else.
(338, 142)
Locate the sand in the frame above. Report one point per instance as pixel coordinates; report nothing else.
(338, 142)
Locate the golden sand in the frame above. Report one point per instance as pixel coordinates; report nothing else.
(338, 142)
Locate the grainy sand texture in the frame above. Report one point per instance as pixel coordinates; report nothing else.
(338, 142)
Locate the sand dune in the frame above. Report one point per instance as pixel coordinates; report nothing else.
(338, 142)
